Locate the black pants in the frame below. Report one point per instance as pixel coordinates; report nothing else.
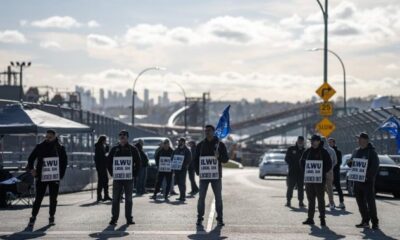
(192, 179)
(336, 183)
(102, 183)
(316, 190)
(292, 181)
(365, 197)
(41, 191)
(160, 178)
(180, 179)
(119, 187)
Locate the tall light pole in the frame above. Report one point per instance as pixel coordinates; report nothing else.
(344, 75)
(325, 14)
(185, 112)
(134, 85)
(21, 66)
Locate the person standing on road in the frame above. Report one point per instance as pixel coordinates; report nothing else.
(295, 175)
(210, 154)
(329, 174)
(123, 164)
(141, 178)
(315, 156)
(100, 159)
(336, 172)
(51, 164)
(181, 159)
(365, 191)
(163, 162)
(191, 169)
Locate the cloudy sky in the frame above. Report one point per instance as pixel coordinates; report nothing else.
(235, 49)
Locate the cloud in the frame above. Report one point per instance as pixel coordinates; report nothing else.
(63, 41)
(392, 66)
(65, 22)
(12, 36)
(93, 24)
(100, 41)
(50, 45)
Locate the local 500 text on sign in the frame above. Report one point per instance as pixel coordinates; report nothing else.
(358, 170)
(313, 171)
(122, 168)
(177, 162)
(165, 164)
(208, 168)
(51, 169)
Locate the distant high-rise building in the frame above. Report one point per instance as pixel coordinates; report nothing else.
(102, 98)
(146, 97)
(165, 99)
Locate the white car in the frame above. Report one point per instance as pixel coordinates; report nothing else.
(273, 164)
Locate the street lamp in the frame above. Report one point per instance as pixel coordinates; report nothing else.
(344, 74)
(134, 85)
(21, 66)
(325, 14)
(185, 112)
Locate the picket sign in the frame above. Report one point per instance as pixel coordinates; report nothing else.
(165, 164)
(208, 168)
(313, 171)
(358, 170)
(51, 169)
(122, 168)
(177, 162)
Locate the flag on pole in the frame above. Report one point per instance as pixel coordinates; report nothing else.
(392, 126)
(223, 127)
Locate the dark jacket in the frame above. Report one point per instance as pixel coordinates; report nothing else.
(143, 157)
(47, 149)
(373, 162)
(187, 154)
(318, 154)
(123, 151)
(336, 168)
(208, 148)
(161, 152)
(292, 158)
(100, 158)
(193, 153)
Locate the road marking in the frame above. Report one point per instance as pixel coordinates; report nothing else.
(211, 216)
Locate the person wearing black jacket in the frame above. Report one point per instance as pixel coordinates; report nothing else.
(180, 174)
(123, 156)
(295, 175)
(140, 180)
(50, 155)
(191, 169)
(100, 159)
(164, 152)
(210, 152)
(336, 172)
(316, 189)
(365, 191)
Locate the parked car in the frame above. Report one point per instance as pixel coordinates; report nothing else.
(152, 141)
(387, 180)
(152, 169)
(273, 164)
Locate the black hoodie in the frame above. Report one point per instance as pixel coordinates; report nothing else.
(48, 149)
(318, 154)
(373, 161)
(208, 148)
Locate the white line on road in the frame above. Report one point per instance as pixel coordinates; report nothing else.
(211, 216)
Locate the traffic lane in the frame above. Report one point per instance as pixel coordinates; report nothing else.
(257, 206)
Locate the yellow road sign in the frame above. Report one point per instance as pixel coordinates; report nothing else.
(326, 109)
(325, 91)
(325, 127)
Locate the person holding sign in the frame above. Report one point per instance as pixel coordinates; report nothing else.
(123, 165)
(181, 159)
(210, 154)
(295, 174)
(51, 164)
(364, 165)
(315, 162)
(163, 162)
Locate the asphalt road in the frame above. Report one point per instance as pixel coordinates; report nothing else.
(253, 209)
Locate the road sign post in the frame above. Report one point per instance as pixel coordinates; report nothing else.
(325, 127)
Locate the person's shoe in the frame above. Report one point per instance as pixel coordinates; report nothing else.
(195, 192)
(375, 226)
(52, 221)
(362, 225)
(342, 206)
(181, 199)
(32, 221)
(220, 223)
(288, 204)
(99, 199)
(154, 197)
(130, 222)
(323, 222)
(107, 198)
(302, 205)
(113, 222)
(332, 207)
(173, 193)
(166, 198)
(199, 222)
(309, 222)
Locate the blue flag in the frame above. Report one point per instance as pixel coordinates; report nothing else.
(224, 126)
(392, 126)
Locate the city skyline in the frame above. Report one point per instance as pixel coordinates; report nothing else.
(220, 47)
